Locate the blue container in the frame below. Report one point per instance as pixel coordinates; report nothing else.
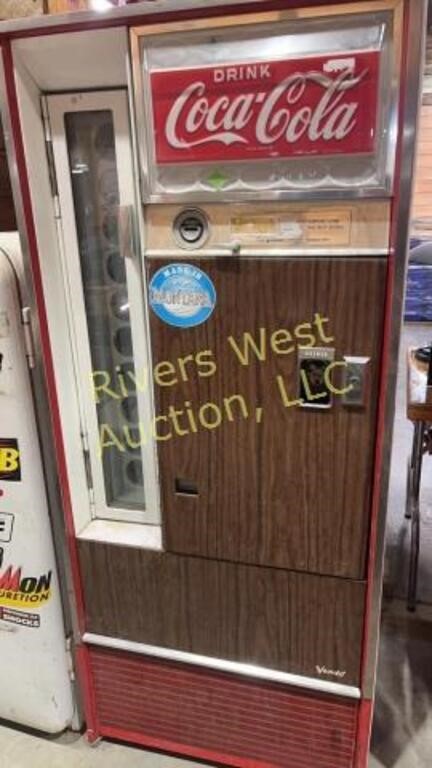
(418, 299)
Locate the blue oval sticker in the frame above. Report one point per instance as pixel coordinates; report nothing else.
(182, 295)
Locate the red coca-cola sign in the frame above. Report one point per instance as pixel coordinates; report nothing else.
(319, 105)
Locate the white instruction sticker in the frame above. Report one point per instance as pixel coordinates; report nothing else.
(291, 230)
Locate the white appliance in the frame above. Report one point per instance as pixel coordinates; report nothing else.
(35, 672)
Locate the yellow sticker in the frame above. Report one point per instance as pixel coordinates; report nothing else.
(256, 226)
(18, 591)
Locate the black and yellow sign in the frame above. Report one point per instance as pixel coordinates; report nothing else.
(10, 463)
(16, 589)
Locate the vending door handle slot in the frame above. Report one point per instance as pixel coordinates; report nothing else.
(185, 487)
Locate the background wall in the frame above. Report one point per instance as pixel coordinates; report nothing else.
(12, 9)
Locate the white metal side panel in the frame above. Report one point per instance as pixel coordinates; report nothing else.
(35, 687)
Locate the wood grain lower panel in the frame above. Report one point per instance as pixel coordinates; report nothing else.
(293, 489)
(278, 619)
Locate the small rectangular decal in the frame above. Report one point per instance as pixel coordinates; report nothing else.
(22, 618)
(314, 389)
(332, 227)
(6, 526)
(255, 227)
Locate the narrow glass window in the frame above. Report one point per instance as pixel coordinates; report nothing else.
(95, 188)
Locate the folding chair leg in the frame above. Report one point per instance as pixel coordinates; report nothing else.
(416, 468)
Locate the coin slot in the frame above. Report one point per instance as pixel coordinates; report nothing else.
(355, 383)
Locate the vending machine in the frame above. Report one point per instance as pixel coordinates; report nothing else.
(35, 659)
(215, 205)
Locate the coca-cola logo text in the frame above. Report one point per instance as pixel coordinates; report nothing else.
(264, 110)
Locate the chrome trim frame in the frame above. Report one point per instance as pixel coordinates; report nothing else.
(415, 46)
(223, 665)
(143, 104)
(286, 195)
(271, 253)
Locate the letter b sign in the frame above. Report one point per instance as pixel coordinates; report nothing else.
(10, 465)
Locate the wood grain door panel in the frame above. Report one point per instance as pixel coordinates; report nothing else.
(291, 490)
(277, 619)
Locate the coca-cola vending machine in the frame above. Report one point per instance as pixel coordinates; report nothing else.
(215, 204)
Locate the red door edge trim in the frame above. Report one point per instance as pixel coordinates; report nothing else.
(82, 659)
(364, 727)
(43, 324)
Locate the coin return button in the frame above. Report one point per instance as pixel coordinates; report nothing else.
(190, 228)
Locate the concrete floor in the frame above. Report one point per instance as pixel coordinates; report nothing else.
(402, 735)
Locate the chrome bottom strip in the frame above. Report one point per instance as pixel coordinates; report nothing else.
(223, 665)
(269, 252)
